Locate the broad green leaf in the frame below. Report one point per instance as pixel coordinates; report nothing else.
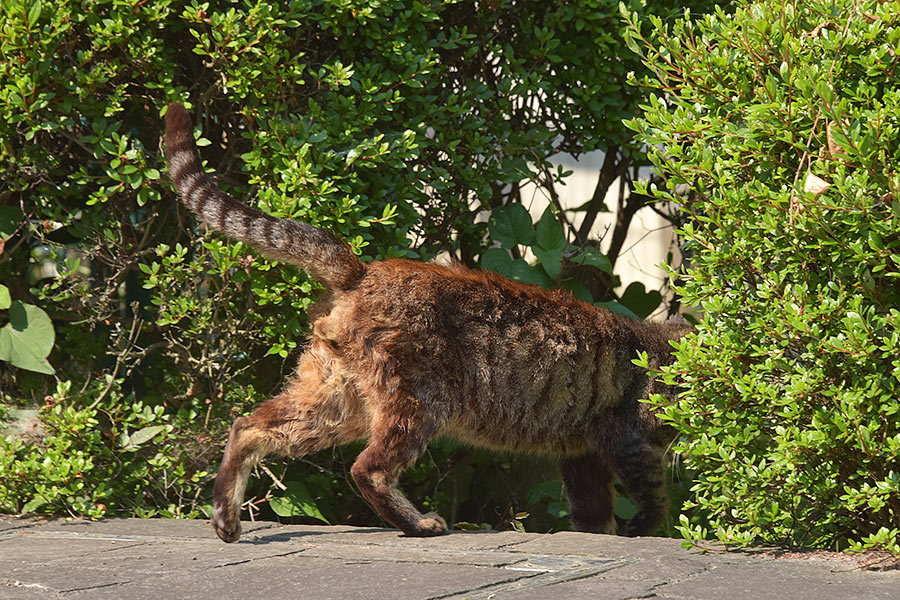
(617, 308)
(578, 289)
(639, 300)
(34, 13)
(623, 507)
(10, 218)
(4, 297)
(522, 271)
(33, 504)
(142, 436)
(296, 502)
(497, 260)
(551, 260)
(594, 258)
(550, 234)
(28, 338)
(511, 225)
(559, 509)
(550, 488)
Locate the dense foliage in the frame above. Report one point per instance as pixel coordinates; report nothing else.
(395, 124)
(782, 122)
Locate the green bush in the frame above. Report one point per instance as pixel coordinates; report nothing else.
(395, 124)
(778, 127)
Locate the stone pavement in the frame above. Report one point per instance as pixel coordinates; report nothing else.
(157, 559)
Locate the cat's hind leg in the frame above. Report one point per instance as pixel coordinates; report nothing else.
(588, 482)
(396, 441)
(640, 467)
(318, 410)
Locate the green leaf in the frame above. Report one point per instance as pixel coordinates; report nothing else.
(558, 509)
(34, 13)
(619, 309)
(578, 289)
(497, 260)
(28, 338)
(624, 508)
(296, 502)
(522, 271)
(4, 297)
(639, 300)
(550, 488)
(10, 218)
(141, 436)
(511, 225)
(467, 526)
(550, 234)
(594, 258)
(551, 260)
(33, 504)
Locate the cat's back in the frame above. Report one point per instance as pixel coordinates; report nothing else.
(453, 296)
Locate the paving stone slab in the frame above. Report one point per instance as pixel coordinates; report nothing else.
(457, 540)
(13, 591)
(597, 586)
(186, 528)
(414, 555)
(41, 550)
(289, 578)
(184, 556)
(783, 578)
(571, 542)
(12, 523)
(175, 560)
(57, 580)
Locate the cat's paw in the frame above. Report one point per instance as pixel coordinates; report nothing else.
(227, 524)
(431, 524)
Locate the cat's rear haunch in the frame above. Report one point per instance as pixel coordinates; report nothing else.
(404, 351)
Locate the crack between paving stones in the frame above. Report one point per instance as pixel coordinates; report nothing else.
(534, 580)
(486, 586)
(691, 575)
(93, 587)
(409, 561)
(502, 546)
(257, 558)
(651, 593)
(262, 528)
(135, 545)
(17, 528)
(446, 557)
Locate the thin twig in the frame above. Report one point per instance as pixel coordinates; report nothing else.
(275, 480)
(136, 324)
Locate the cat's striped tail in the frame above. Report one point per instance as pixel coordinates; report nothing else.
(329, 260)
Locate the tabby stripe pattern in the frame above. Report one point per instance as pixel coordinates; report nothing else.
(329, 260)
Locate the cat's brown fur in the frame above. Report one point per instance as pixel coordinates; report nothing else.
(403, 351)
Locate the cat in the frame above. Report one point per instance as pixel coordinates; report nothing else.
(403, 351)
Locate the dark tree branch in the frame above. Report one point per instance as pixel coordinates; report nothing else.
(609, 172)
